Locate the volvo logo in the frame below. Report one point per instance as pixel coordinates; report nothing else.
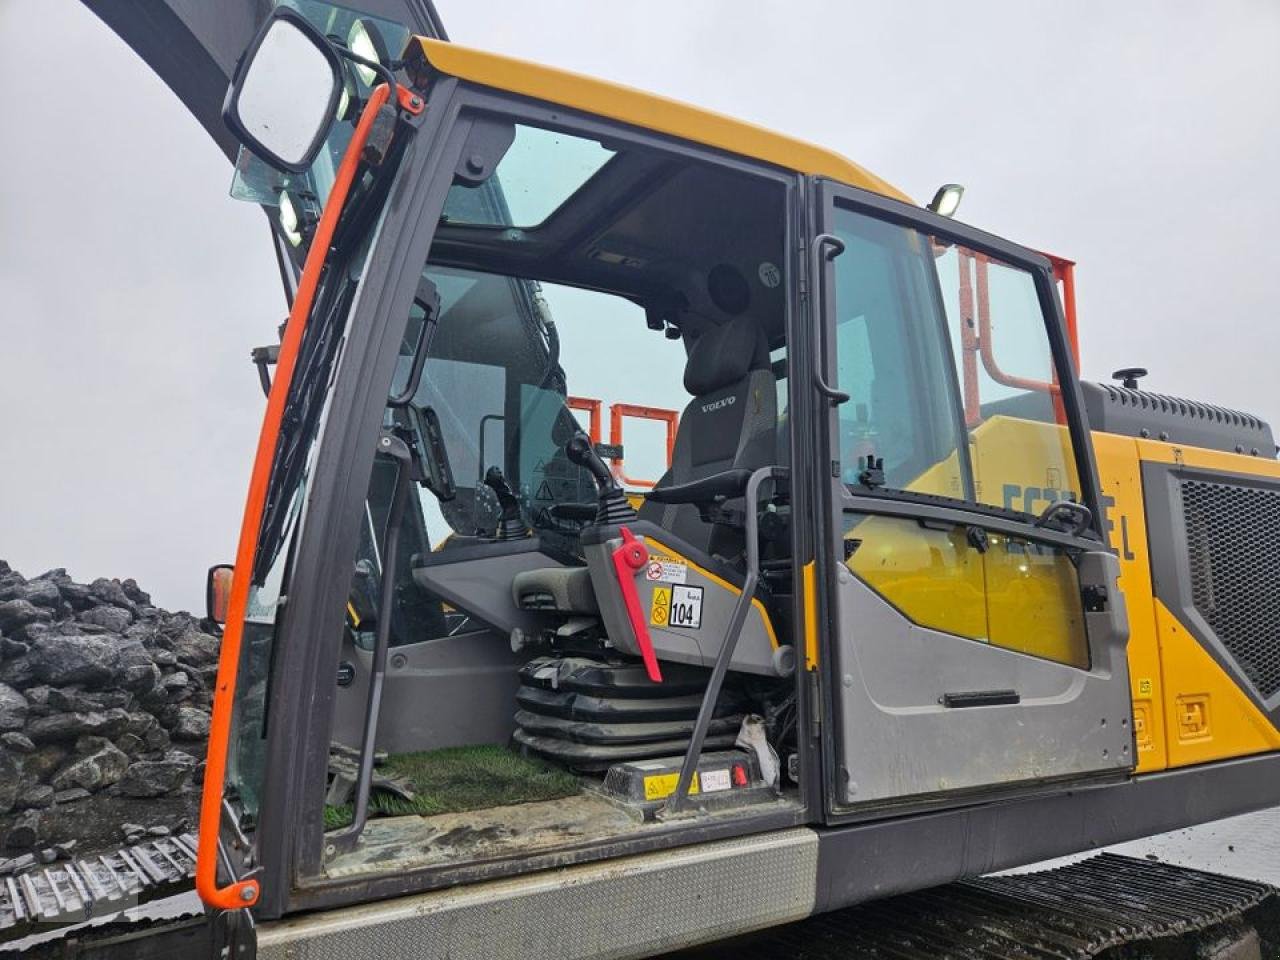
(718, 404)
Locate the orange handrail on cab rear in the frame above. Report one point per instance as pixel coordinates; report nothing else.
(618, 412)
(593, 408)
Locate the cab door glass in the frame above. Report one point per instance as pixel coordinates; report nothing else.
(892, 357)
(931, 573)
(935, 342)
(1033, 601)
(1020, 445)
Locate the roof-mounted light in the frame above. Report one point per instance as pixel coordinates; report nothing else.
(947, 200)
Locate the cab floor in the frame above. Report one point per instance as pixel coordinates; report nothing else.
(524, 829)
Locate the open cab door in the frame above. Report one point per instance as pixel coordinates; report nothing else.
(976, 632)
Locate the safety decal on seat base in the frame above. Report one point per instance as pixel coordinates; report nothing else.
(666, 569)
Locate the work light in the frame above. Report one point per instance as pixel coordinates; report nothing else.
(947, 199)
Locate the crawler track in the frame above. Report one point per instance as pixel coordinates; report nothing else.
(81, 889)
(1078, 911)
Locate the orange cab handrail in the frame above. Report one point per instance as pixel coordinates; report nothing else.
(245, 893)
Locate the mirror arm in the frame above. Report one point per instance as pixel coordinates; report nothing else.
(345, 52)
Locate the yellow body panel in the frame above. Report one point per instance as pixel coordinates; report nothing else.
(1187, 708)
(1158, 452)
(1120, 475)
(650, 112)
(1022, 464)
(1207, 715)
(811, 616)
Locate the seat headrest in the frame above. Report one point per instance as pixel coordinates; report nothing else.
(724, 355)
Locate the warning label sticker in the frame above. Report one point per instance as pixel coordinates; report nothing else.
(713, 780)
(660, 606)
(666, 569)
(664, 784)
(686, 607)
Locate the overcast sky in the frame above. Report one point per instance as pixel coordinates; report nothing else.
(1141, 139)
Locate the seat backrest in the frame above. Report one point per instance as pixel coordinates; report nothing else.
(731, 422)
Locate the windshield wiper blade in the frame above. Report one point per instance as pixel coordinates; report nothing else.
(298, 422)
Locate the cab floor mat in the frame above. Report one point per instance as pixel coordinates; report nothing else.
(457, 779)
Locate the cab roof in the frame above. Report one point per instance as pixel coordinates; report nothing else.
(649, 111)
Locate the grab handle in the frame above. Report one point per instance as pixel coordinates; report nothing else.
(826, 247)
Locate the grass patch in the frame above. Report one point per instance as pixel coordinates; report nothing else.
(457, 779)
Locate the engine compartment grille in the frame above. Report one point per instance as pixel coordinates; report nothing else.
(1233, 545)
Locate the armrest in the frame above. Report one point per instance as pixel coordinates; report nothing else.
(580, 512)
(727, 484)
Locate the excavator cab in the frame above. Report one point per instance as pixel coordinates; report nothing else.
(837, 579)
(523, 637)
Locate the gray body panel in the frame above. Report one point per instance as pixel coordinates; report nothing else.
(755, 650)
(448, 692)
(633, 907)
(897, 740)
(636, 906)
(1141, 413)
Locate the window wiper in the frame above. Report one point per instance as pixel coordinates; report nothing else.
(300, 417)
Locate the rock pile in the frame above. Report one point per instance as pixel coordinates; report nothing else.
(104, 710)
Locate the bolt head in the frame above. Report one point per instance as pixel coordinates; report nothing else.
(248, 892)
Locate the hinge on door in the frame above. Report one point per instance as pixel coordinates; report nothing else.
(815, 706)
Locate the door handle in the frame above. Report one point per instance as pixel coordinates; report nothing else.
(826, 247)
(1066, 516)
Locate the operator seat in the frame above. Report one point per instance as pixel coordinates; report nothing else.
(731, 423)
(728, 429)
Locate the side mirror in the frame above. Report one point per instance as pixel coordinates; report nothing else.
(217, 593)
(285, 92)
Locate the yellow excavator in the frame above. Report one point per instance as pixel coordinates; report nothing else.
(865, 590)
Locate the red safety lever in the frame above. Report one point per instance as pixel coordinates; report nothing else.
(628, 560)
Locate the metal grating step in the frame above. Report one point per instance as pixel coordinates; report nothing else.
(1070, 913)
(80, 889)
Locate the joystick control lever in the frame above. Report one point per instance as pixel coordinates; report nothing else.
(580, 451)
(510, 526)
(611, 503)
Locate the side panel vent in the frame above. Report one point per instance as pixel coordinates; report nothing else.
(1233, 547)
